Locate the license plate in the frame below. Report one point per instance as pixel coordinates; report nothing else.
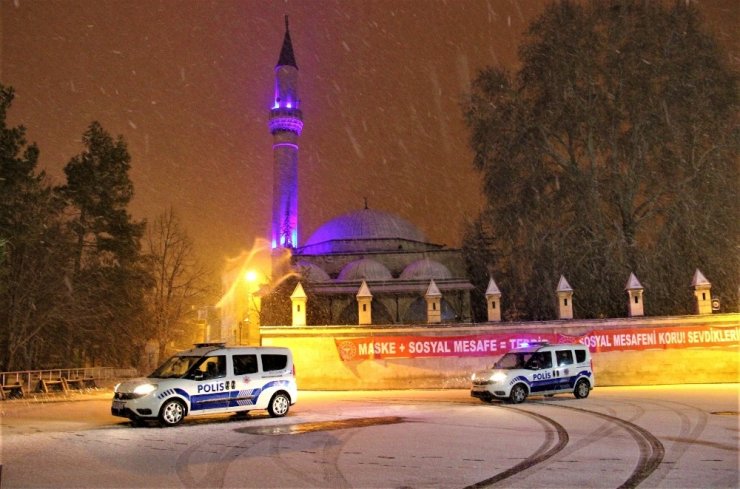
(118, 405)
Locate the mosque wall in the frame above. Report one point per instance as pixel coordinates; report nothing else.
(627, 351)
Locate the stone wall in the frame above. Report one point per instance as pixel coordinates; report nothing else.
(319, 365)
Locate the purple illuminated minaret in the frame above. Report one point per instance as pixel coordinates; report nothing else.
(286, 123)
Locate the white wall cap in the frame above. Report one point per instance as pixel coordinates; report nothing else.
(633, 283)
(563, 285)
(492, 288)
(699, 279)
(432, 290)
(298, 292)
(364, 291)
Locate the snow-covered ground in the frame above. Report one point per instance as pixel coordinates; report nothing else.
(663, 436)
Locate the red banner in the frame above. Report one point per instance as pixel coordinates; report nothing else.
(656, 338)
(376, 347)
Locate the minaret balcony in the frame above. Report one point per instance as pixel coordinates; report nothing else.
(289, 121)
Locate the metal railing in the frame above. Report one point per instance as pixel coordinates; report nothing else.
(30, 378)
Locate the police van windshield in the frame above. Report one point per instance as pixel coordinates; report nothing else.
(513, 360)
(174, 368)
(531, 361)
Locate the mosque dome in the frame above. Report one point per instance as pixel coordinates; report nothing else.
(377, 230)
(311, 272)
(425, 270)
(364, 269)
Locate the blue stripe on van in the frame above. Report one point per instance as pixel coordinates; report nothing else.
(236, 398)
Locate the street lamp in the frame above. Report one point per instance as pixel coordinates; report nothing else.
(250, 276)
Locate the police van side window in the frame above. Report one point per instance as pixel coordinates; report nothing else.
(274, 362)
(580, 356)
(211, 368)
(546, 359)
(564, 357)
(542, 359)
(245, 364)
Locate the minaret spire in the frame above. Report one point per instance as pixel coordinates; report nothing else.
(287, 58)
(286, 124)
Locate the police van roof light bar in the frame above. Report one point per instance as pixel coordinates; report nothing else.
(219, 344)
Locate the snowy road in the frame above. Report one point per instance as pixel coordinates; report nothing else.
(677, 437)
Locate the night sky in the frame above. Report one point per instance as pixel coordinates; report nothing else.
(189, 85)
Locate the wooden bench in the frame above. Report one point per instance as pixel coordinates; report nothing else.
(45, 385)
(11, 391)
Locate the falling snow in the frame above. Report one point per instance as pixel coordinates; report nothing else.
(380, 92)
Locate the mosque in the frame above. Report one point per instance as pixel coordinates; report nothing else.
(367, 266)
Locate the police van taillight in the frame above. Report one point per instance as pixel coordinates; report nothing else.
(294, 370)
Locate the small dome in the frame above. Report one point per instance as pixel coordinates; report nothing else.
(311, 272)
(364, 269)
(366, 224)
(425, 270)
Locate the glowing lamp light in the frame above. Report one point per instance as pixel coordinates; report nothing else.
(144, 389)
(250, 276)
(498, 377)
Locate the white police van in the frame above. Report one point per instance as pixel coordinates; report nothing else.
(539, 368)
(208, 379)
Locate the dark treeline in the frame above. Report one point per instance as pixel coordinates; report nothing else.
(613, 149)
(77, 286)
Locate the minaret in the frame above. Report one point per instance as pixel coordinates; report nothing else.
(286, 123)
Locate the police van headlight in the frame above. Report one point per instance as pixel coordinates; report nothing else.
(144, 389)
(498, 377)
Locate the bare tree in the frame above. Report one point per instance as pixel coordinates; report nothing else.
(180, 281)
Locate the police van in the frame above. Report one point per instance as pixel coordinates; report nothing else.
(539, 368)
(209, 379)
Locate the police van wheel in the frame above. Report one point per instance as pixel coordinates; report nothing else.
(279, 405)
(172, 413)
(582, 389)
(518, 394)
